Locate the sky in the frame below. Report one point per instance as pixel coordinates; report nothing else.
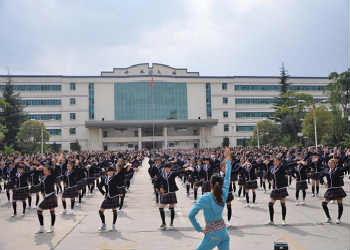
(214, 38)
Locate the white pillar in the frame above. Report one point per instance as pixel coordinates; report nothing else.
(140, 138)
(165, 134)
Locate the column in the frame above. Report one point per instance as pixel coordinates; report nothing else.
(165, 134)
(140, 138)
(95, 139)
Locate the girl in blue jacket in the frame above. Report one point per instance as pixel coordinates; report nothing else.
(215, 232)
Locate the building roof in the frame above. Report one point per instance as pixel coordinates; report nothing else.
(149, 123)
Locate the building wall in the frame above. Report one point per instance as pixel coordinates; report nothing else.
(104, 101)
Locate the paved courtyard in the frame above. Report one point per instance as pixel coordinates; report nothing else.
(138, 225)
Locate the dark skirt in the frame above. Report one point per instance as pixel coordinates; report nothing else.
(168, 198)
(334, 194)
(35, 189)
(198, 183)
(279, 194)
(82, 183)
(49, 202)
(241, 181)
(110, 203)
(315, 176)
(251, 185)
(70, 192)
(301, 185)
(20, 194)
(206, 187)
(91, 180)
(10, 185)
(234, 177)
(229, 197)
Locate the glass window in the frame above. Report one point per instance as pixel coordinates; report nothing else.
(224, 100)
(208, 99)
(72, 86)
(54, 132)
(91, 101)
(244, 128)
(225, 114)
(224, 86)
(226, 127)
(105, 133)
(243, 141)
(31, 87)
(253, 114)
(72, 101)
(255, 100)
(72, 116)
(41, 102)
(137, 101)
(277, 87)
(72, 131)
(45, 117)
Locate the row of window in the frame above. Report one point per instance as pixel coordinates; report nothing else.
(34, 87)
(208, 99)
(58, 131)
(225, 114)
(239, 128)
(278, 88)
(46, 117)
(91, 101)
(44, 102)
(255, 100)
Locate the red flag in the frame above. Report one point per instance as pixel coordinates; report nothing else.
(151, 83)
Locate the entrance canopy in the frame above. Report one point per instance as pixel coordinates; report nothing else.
(149, 123)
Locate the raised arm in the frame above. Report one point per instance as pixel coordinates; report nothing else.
(226, 186)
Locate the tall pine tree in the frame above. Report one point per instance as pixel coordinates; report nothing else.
(12, 114)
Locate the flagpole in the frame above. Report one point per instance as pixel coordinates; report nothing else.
(153, 107)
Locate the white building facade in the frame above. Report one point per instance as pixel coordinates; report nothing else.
(121, 110)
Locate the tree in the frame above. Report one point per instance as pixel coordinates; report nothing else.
(323, 123)
(338, 129)
(12, 114)
(29, 136)
(269, 133)
(338, 91)
(75, 146)
(284, 80)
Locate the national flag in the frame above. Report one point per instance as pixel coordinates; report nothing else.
(151, 83)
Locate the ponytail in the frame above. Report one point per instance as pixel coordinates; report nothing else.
(217, 182)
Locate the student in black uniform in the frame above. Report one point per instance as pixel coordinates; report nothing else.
(278, 173)
(21, 189)
(70, 189)
(335, 190)
(196, 176)
(316, 168)
(249, 171)
(50, 199)
(167, 187)
(205, 175)
(35, 184)
(300, 171)
(241, 178)
(111, 183)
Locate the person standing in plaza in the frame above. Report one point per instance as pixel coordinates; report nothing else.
(212, 204)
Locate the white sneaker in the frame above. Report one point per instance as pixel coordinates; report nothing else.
(72, 212)
(246, 205)
(333, 201)
(328, 220)
(194, 201)
(51, 229)
(163, 226)
(64, 212)
(270, 223)
(41, 230)
(284, 222)
(228, 224)
(102, 228)
(113, 228)
(13, 215)
(252, 205)
(171, 227)
(297, 203)
(338, 221)
(302, 203)
(35, 207)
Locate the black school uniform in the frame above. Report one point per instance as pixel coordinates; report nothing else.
(35, 178)
(299, 172)
(205, 174)
(70, 189)
(48, 189)
(21, 190)
(280, 181)
(335, 182)
(249, 173)
(168, 183)
(113, 186)
(316, 168)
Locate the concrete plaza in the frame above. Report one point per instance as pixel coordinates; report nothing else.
(138, 224)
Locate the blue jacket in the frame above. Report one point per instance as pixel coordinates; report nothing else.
(211, 210)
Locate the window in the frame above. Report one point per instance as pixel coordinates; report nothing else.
(72, 101)
(54, 132)
(91, 101)
(72, 131)
(133, 101)
(45, 117)
(226, 127)
(243, 141)
(277, 87)
(105, 134)
(225, 114)
(208, 98)
(244, 128)
(224, 100)
(72, 86)
(254, 114)
(41, 102)
(33, 87)
(224, 86)
(72, 116)
(255, 100)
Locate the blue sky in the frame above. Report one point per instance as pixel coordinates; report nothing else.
(222, 37)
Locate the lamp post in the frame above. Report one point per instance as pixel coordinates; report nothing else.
(257, 135)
